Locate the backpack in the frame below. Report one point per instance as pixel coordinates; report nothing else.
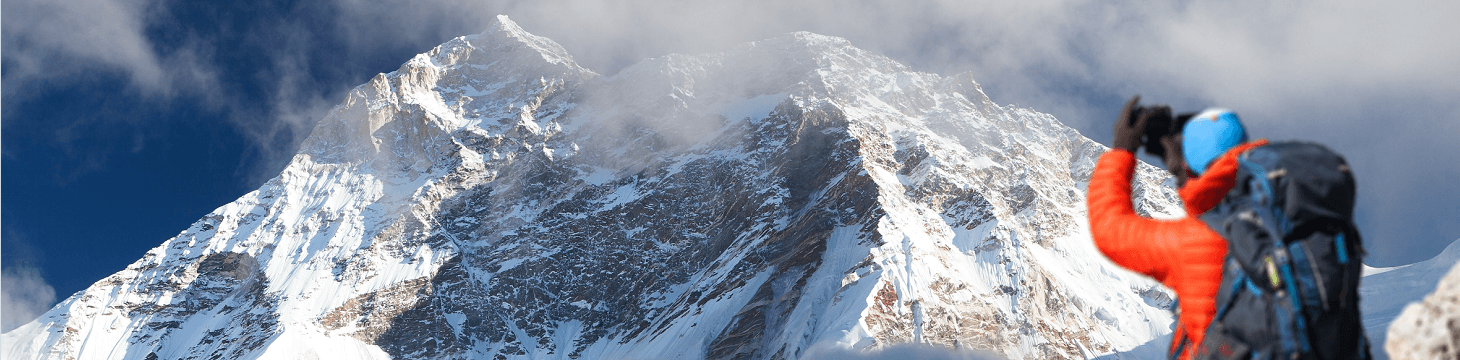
(1289, 286)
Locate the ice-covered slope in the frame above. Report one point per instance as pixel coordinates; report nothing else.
(492, 199)
(1384, 292)
(1426, 328)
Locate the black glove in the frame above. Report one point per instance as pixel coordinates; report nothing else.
(1129, 126)
(1174, 159)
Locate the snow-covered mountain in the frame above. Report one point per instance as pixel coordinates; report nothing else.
(492, 199)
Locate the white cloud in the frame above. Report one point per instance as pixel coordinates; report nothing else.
(24, 295)
(50, 41)
(105, 31)
(1374, 80)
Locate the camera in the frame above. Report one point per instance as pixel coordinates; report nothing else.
(1160, 123)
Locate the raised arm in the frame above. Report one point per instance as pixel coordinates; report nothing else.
(1126, 238)
(1182, 254)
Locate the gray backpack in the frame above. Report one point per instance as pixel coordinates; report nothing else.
(1289, 288)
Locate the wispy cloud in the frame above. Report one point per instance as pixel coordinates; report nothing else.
(164, 59)
(24, 295)
(55, 41)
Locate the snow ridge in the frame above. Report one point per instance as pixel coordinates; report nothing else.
(1384, 292)
(493, 199)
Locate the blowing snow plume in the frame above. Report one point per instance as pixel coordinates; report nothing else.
(25, 296)
(493, 199)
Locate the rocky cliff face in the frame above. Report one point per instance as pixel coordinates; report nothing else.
(492, 199)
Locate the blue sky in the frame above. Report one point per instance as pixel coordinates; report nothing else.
(127, 120)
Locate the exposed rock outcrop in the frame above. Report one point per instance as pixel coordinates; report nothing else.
(1429, 329)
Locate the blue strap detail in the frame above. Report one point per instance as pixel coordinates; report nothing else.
(1303, 335)
(1251, 287)
(1285, 336)
(1271, 216)
(1341, 248)
(1364, 349)
(1287, 272)
(1301, 327)
(1261, 175)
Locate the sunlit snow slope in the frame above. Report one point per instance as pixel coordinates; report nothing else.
(492, 199)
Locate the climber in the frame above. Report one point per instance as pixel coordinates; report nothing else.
(1271, 236)
(1182, 254)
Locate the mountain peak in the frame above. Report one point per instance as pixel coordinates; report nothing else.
(808, 37)
(505, 28)
(504, 23)
(409, 114)
(491, 199)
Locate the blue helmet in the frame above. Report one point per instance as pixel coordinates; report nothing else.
(1209, 134)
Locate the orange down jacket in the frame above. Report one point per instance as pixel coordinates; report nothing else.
(1183, 254)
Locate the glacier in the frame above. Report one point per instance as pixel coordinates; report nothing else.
(492, 199)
